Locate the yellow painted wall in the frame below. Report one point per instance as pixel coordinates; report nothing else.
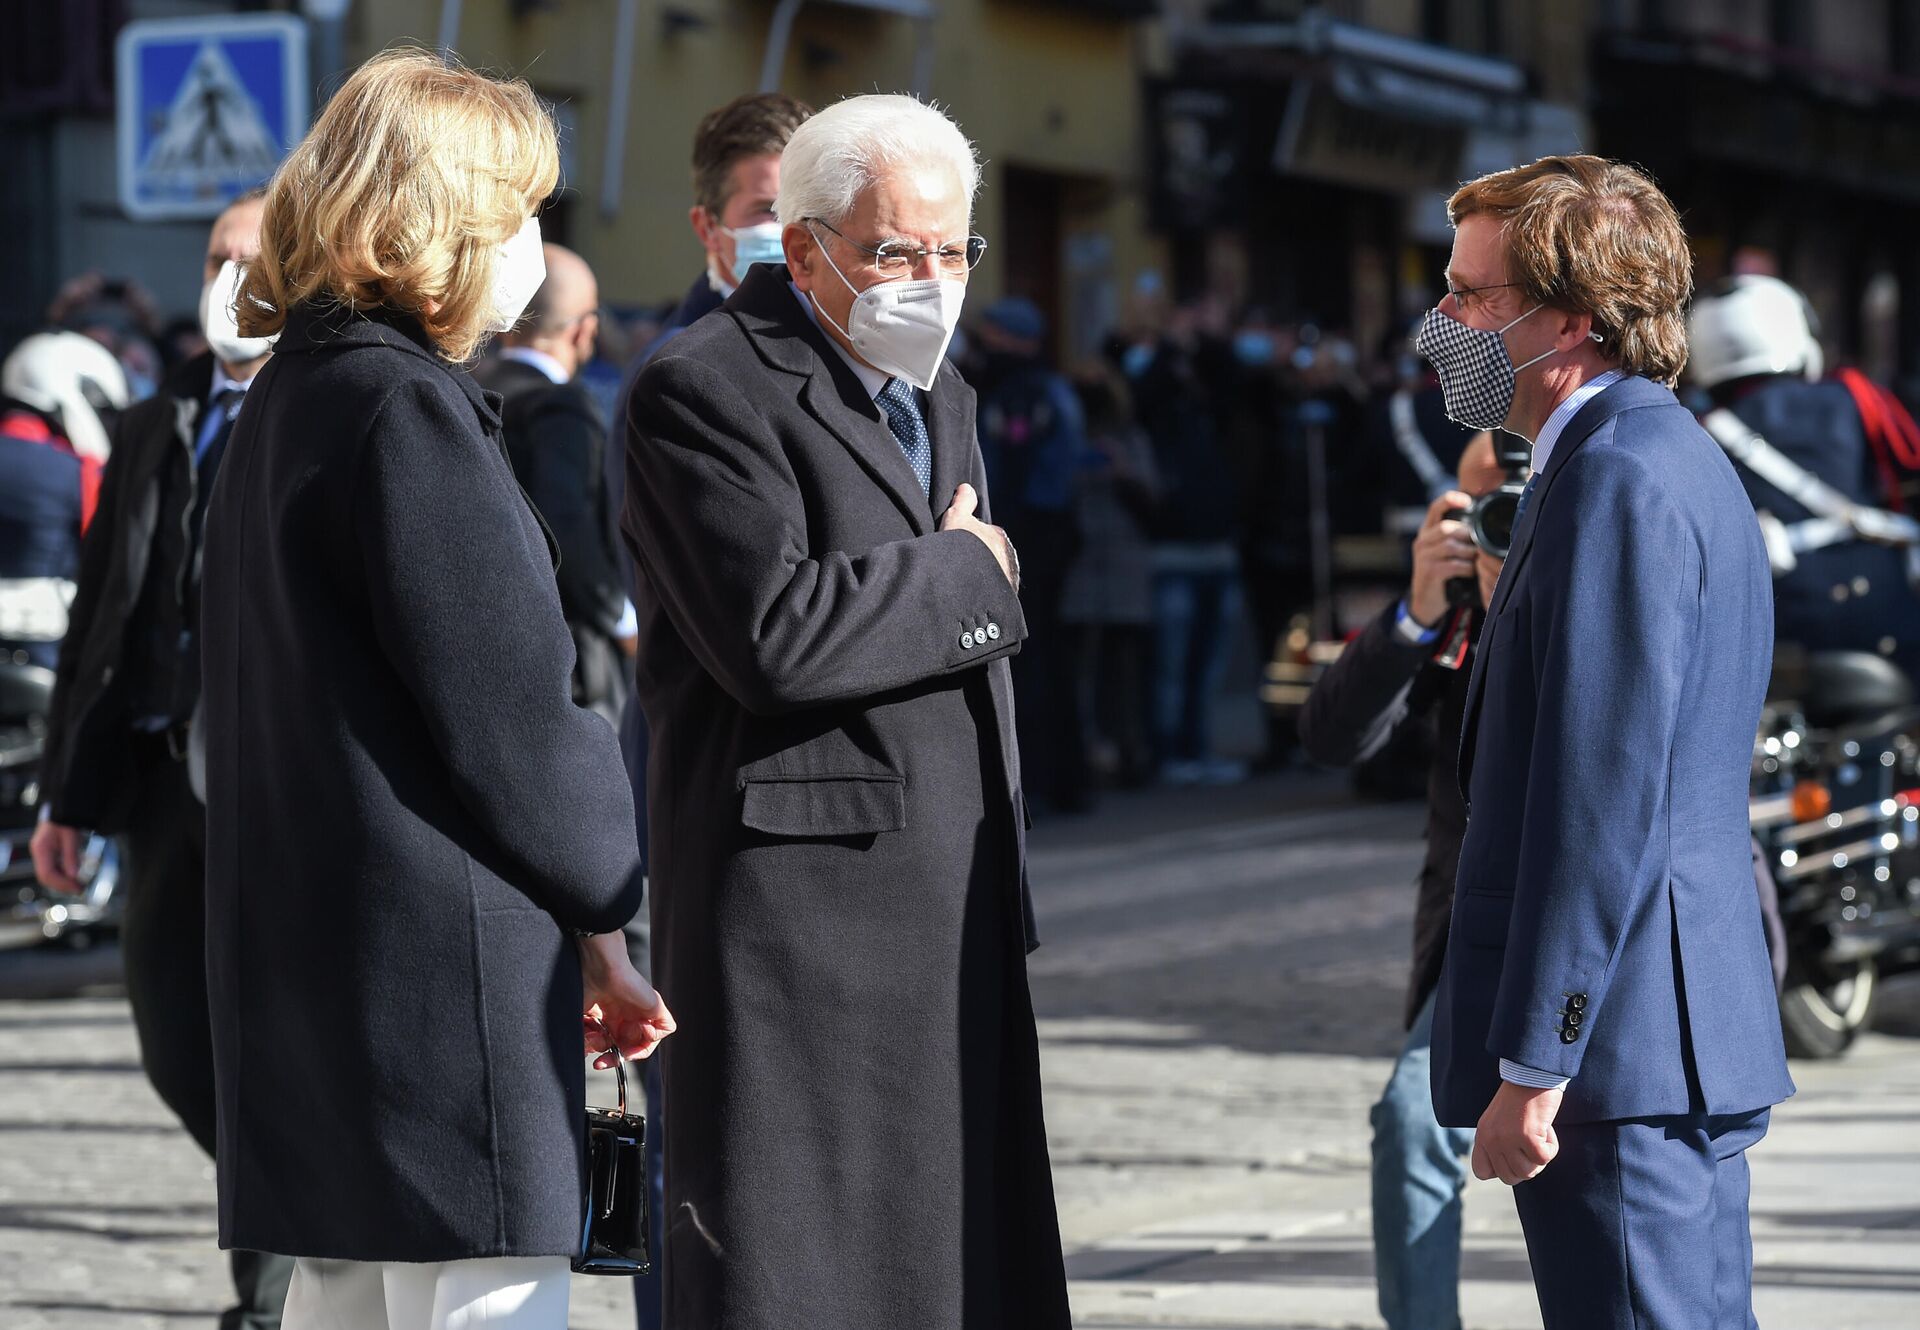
(1033, 87)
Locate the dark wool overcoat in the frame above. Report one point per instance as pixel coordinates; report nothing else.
(853, 1126)
(405, 811)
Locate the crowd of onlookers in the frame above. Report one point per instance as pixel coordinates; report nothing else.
(1161, 494)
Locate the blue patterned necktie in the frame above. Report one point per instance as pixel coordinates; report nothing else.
(1520, 509)
(897, 399)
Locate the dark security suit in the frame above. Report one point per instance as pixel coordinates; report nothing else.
(557, 445)
(406, 812)
(122, 667)
(1606, 926)
(839, 916)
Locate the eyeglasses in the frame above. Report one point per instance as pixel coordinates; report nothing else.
(896, 258)
(1464, 296)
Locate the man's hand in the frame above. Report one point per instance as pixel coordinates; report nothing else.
(1441, 552)
(56, 857)
(959, 517)
(621, 1007)
(1515, 1139)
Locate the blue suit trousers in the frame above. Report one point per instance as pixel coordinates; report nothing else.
(1643, 1225)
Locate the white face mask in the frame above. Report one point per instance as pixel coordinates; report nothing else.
(219, 322)
(517, 274)
(751, 245)
(901, 327)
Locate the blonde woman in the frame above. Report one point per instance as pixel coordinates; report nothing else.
(419, 849)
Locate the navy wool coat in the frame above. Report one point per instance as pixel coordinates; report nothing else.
(405, 812)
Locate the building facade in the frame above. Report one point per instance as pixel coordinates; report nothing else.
(1283, 154)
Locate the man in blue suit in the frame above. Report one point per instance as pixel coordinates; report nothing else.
(1606, 1016)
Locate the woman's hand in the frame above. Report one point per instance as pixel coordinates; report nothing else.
(621, 1007)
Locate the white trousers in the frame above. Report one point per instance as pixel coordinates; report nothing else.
(499, 1293)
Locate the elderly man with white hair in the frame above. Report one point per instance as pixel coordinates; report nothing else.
(839, 890)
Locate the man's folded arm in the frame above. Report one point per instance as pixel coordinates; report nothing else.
(716, 520)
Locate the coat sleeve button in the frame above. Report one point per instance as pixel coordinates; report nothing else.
(1577, 1002)
(1568, 1036)
(993, 632)
(966, 641)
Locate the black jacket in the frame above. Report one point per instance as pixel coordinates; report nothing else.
(854, 1095)
(1380, 684)
(134, 573)
(405, 811)
(557, 445)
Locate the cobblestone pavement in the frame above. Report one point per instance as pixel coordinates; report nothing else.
(1219, 998)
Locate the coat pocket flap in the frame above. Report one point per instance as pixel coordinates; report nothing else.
(1483, 919)
(823, 806)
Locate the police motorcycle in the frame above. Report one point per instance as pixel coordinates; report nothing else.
(1835, 792)
(72, 385)
(30, 914)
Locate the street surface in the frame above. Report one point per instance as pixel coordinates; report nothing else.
(1219, 999)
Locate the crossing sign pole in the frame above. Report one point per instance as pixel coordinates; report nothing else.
(207, 107)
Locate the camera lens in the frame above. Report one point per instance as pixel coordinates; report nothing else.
(1492, 518)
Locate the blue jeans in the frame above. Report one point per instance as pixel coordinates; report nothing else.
(1419, 1170)
(1193, 616)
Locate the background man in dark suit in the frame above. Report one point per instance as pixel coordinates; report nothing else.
(838, 847)
(557, 445)
(736, 176)
(128, 683)
(1606, 1014)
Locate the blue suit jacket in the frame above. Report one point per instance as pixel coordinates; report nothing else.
(1605, 926)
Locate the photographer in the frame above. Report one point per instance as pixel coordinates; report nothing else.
(1410, 666)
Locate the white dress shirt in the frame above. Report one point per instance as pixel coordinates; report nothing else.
(870, 378)
(540, 360)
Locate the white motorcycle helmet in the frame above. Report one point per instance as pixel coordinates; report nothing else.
(71, 379)
(1752, 325)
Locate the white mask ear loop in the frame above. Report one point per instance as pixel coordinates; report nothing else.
(817, 308)
(1591, 337)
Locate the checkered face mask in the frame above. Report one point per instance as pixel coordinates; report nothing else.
(1476, 373)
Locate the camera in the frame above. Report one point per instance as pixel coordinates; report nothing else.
(1491, 517)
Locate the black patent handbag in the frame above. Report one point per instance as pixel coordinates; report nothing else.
(613, 1232)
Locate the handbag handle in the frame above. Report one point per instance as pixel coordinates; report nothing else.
(619, 1065)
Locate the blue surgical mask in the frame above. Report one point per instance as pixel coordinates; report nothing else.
(751, 245)
(1253, 347)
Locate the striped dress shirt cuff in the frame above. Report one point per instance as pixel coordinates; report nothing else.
(1516, 1074)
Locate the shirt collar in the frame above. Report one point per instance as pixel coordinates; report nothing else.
(539, 359)
(1564, 413)
(870, 378)
(224, 382)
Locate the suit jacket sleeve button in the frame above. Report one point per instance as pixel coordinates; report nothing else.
(993, 632)
(1568, 1036)
(1577, 1002)
(966, 641)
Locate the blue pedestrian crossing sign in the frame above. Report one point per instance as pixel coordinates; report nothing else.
(207, 107)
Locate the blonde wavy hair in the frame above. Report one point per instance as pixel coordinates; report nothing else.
(1596, 237)
(400, 197)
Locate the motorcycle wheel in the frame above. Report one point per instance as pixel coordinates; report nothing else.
(1821, 1019)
